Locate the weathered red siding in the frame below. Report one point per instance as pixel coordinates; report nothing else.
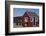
(29, 23)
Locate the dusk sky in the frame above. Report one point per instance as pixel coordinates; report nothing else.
(21, 11)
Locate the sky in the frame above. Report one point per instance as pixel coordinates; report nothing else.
(21, 11)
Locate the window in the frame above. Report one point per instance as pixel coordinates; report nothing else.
(19, 23)
(26, 19)
(20, 20)
(36, 19)
(16, 23)
(31, 19)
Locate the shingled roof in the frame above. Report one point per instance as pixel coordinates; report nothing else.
(32, 14)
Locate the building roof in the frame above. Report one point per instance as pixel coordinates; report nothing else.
(32, 14)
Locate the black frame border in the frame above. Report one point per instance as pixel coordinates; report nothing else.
(20, 33)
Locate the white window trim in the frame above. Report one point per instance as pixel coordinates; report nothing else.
(26, 19)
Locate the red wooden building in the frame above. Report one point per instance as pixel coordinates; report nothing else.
(28, 19)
